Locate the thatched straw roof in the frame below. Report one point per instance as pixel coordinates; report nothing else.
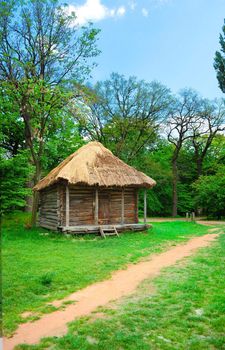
(95, 165)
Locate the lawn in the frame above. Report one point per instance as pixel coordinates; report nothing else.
(40, 266)
(183, 308)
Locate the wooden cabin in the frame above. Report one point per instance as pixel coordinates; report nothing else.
(92, 189)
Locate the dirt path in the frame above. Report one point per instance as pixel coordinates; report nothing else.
(122, 282)
(210, 223)
(200, 221)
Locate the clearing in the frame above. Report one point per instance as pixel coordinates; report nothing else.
(40, 266)
(87, 300)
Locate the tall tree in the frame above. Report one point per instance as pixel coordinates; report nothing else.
(219, 61)
(125, 114)
(211, 121)
(43, 54)
(181, 120)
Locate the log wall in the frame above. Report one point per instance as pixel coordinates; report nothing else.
(49, 205)
(130, 206)
(82, 206)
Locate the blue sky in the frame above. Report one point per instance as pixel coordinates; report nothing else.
(172, 41)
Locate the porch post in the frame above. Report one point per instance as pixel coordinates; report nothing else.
(145, 205)
(122, 207)
(137, 197)
(96, 206)
(67, 206)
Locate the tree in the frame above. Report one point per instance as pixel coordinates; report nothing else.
(11, 125)
(43, 55)
(124, 114)
(219, 61)
(156, 164)
(14, 175)
(210, 193)
(181, 120)
(211, 122)
(65, 141)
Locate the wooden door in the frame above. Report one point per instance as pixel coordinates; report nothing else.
(104, 209)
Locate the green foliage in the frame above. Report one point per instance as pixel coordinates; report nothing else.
(210, 193)
(125, 114)
(40, 39)
(62, 143)
(43, 54)
(156, 164)
(185, 199)
(215, 155)
(11, 124)
(219, 61)
(15, 173)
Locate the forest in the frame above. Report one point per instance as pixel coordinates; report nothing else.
(50, 107)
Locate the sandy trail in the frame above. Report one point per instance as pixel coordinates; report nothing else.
(122, 282)
(197, 220)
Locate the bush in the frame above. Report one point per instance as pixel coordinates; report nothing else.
(46, 279)
(14, 175)
(210, 193)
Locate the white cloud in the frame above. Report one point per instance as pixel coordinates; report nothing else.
(132, 5)
(121, 11)
(94, 10)
(144, 12)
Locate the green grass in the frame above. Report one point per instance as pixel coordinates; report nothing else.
(185, 312)
(40, 266)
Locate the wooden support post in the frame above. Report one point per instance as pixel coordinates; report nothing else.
(122, 207)
(145, 205)
(187, 216)
(67, 206)
(96, 206)
(136, 206)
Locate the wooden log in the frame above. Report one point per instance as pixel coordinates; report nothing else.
(95, 228)
(50, 216)
(49, 226)
(67, 206)
(96, 206)
(122, 207)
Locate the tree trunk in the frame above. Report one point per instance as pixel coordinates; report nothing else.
(199, 163)
(199, 166)
(35, 194)
(175, 176)
(29, 198)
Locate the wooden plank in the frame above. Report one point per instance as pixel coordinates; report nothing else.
(96, 228)
(122, 207)
(102, 232)
(96, 206)
(67, 206)
(116, 231)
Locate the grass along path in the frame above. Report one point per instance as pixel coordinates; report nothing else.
(40, 266)
(122, 282)
(183, 308)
